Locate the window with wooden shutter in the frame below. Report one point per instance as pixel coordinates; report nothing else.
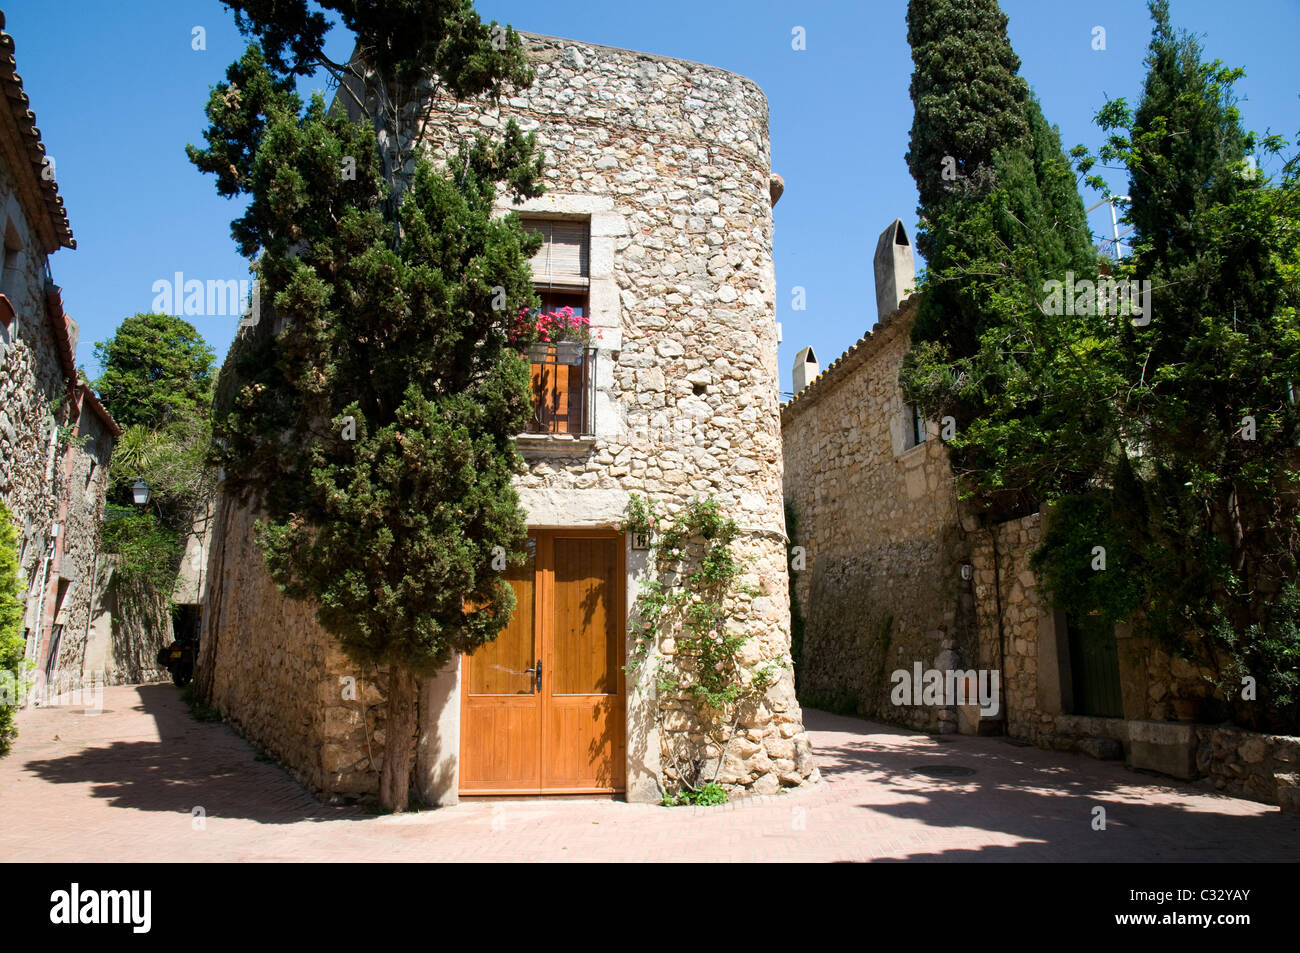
(563, 258)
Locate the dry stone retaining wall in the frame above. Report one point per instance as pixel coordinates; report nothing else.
(1264, 767)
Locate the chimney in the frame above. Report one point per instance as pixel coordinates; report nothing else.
(895, 272)
(805, 369)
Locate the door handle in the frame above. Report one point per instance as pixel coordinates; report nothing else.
(536, 673)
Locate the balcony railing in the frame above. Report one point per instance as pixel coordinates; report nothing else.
(563, 384)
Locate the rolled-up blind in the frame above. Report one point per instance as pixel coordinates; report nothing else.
(562, 259)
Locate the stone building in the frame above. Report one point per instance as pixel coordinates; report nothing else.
(55, 435)
(899, 577)
(657, 225)
(875, 508)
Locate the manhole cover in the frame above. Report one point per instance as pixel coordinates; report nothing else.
(944, 771)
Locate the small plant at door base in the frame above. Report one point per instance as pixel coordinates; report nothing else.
(683, 612)
(710, 795)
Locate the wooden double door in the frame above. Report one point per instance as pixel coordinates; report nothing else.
(543, 706)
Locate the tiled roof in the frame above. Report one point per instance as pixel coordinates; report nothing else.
(854, 356)
(100, 410)
(58, 319)
(59, 327)
(29, 143)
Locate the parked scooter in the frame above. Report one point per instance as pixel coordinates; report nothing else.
(178, 659)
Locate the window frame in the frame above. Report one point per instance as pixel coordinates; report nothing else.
(557, 291)
(916, 429)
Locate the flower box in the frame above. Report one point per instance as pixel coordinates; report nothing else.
(569, 352)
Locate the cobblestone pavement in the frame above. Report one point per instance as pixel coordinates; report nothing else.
(123, 785)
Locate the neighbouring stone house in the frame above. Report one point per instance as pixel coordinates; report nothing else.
(874, 506)
(657, 225)
(900, 577)
(55, 435)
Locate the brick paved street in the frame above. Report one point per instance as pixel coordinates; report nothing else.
(120, 786)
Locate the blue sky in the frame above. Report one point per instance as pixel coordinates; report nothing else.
(118, 91)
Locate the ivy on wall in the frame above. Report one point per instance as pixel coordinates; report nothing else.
(684, 611)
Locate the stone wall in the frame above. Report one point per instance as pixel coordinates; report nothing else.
(83, 482)
(669, 163)
(1010, 614)
(1246, 763)
(877, 523)
(278, 678)
(31, 382)
(770, 748)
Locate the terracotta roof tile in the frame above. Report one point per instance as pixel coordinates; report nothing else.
(30, 139)
(92, 399)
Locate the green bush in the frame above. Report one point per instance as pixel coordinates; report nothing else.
(13, 666)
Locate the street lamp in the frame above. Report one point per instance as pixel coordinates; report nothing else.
(140, 492)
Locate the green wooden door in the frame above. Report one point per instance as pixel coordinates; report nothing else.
(1094, 669)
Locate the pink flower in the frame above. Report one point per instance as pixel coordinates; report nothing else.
(718, 667)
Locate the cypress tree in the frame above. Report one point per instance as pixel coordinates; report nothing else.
(372, 408)
(968, 98)
(984, 353)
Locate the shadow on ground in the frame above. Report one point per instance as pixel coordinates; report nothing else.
(1048, 799)
(193, 764)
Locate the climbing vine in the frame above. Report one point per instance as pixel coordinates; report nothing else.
(683, 611)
